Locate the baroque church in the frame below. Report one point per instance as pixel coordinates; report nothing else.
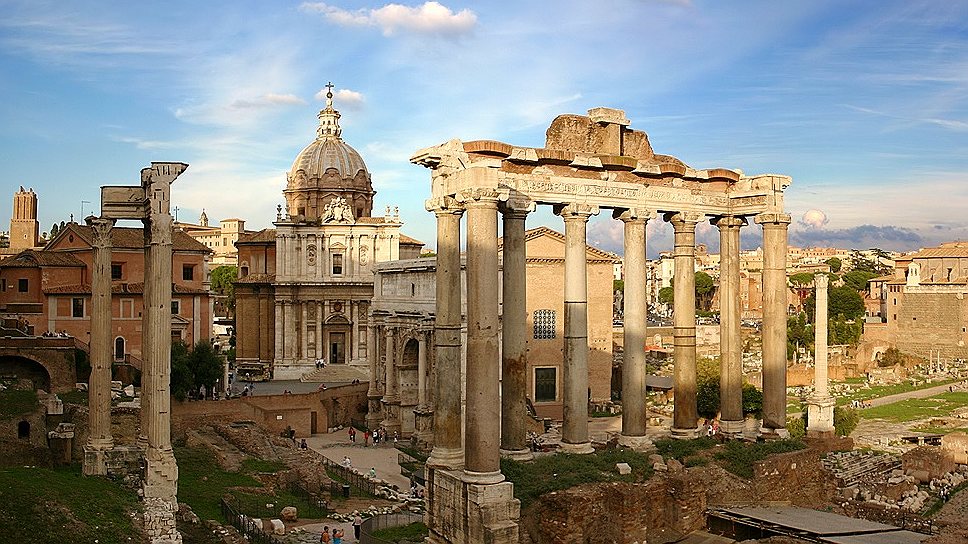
(305, 286)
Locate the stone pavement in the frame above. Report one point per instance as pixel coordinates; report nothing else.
(383, 457)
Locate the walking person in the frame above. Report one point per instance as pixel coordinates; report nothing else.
(357, 525)
(337, 535)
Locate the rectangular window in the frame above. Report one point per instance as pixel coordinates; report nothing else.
(77, 307)
(22, 285)
(545, 384)
(116, 271)
(544, 324)
(175, 307)
(188, 272)
(337, 264)
(127, 308)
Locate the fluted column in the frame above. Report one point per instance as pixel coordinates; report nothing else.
(685, 416)
(320, 352)
(279, 328)
(100, 381)
(774, 322)
(635, 310)
(373, 416)
(304, 330)
(514, 352)
(730, 341)
(448, 445)
(574, 430)
(289, 333)
(483, 413)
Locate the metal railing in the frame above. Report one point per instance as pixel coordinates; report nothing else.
(385, 521)
(245, 524)
(355, 479)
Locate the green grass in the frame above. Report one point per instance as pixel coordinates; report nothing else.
(252, 465)
(939, 504)
(74, 397)
(201, 482)
(738, 457)
(913, 409)
(16, 403)
(561, 471)
(683, 449)
(878, 391)
(54, 506)
(415, 532)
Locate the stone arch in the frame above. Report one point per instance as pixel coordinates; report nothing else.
(26, 368)
(119, 348)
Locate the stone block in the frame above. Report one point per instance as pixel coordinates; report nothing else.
(289, 513)
(674, 465)
(116, 385)
(278, 527)
(623, 468)
(129, 391)
(660, 467)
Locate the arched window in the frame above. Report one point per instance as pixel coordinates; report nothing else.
(119, 348)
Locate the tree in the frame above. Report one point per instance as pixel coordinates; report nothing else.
(618, 285)
(857, 279)
(859, 262)
(803, 285)
(223, 278)
(667, 295)
(845, 420)
(799, 334)
(181, 374)
(752, 400)
(845, 301)
(891, 357)
(834, 264)
(705, 288)
(707, 388)
(53, 230)
(191, 368)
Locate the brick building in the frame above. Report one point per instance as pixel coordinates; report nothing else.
(50, 288)
(220, 239)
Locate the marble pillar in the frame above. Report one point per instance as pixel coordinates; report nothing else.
(421, 369)
(685, 417)
(391, 399)
(304, 332)
(289, 330)
(447, 452)
(483, 404)
(374, 405)
(514, 352)
(100, 439)
(319, 353)
(820, 405)
(635, 310)
(730, 340)
(774, 323)
(574, 430)
(279, 328)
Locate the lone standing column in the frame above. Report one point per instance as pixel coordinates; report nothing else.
(514, 353)
(482, 462)
(635, 316)
(448, 451)
(774, 322)
(820, 405)
(574, 430)
(730, 343)
(100, 381)
(685, 415)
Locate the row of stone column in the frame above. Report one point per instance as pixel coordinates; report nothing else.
(292, 331)
(384, 387)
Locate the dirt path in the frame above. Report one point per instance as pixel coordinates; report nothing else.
(919, 394)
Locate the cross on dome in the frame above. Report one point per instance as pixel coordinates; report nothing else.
(328, 117)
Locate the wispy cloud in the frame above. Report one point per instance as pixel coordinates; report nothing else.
(268, 100)
(429, 18)
(343, 98)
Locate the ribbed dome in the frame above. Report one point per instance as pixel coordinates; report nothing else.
(323, 154)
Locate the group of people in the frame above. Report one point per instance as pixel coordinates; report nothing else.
(860, 403)
(320, 363)
(377, 436)
(711, 428)
(54, 334)
(335, 536)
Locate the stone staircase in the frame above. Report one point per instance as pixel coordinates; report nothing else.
(337, 374)
(852, 467)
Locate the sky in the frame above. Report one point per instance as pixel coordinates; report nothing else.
(863, 103)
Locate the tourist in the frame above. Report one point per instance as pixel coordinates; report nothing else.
(366, 437)
(352, 433)
(303, 445)
(324, 538)
(396, 436)
(357, 524)
(347, 462)
(337, 535)
(372, 472)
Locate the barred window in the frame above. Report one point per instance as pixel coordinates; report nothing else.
(545, 384)
(544, 324)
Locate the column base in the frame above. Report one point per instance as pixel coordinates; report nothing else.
(767, 433)
(446, 458)
(581, 448)
(482, 478)
(95, 460)
(685, 433)
(517, 455)
(640, 444)
(460, 512)
(733, 428)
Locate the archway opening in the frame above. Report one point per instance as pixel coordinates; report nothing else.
(25, 369)
(23, 430)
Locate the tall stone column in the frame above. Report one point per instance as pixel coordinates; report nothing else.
(730, 341)
(100, 438)
(635, 309)
(482, 463)
(289, 332)
(774, 322)
(514, 352)
(320, 353)
(373, 414)
(304, 330)
(421, 369)
(574, 430)
(820, 405)
(391, 400)
(685, 417)
(279, 328)
(447, 452)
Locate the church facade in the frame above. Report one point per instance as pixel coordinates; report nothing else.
(304, 288)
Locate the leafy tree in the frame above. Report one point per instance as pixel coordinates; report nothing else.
(707, 388)
(705, 288)
(223, 278)
(618, 285)
(859, 262)
(843, 331)
(803, 285)
(752, 400)
(857, 279)
(181, 374)
(799, 333)
(667, 295)
(845, 301)
(845, 420)
(834, 264)
(891, 357)
(206, 365)
(797, 426)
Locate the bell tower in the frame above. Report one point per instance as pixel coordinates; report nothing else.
(24, 227)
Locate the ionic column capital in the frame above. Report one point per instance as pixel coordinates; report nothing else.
(576, 211)
(728, 221)
(444, 205)
(633, 214)
(101, 228)
(773, 219)
(684, 220)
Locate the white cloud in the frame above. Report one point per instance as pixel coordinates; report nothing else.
(343, 98)
(428, 18)
(814, 219)
(267, 100)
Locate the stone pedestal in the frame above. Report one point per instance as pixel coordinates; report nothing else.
(460, 512)
(820, 416)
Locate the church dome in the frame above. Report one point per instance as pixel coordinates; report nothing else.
(326, 170)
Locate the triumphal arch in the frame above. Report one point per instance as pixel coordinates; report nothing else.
(589, 164)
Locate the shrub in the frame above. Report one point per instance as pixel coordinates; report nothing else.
(845, 420)
(797, 427)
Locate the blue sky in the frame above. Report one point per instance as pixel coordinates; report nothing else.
(863, 103)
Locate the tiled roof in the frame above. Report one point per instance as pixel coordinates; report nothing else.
(134, 238)
(33, 259)
(404, 239)
(953, 251)
(121, 288)
(264, 235)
